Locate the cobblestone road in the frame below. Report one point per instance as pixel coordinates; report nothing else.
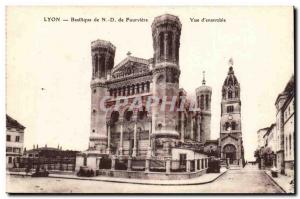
(247, 180)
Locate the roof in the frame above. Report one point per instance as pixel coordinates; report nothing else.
(263, 129)
(231, 79)
(288, 90)
(12, 123)
(269, 129)
(131, 59)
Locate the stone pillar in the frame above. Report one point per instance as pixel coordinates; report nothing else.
(196, 165)
(168, 165)
(113, 163)
(108, 138)
(188, 166)
(121, 138)
(134, 141)
(182, 127)
(129, 162)
(147, 165)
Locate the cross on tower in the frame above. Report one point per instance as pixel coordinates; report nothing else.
(203, 81)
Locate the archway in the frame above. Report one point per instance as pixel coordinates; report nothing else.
(229, 152)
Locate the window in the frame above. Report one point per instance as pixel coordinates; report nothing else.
(170, 47)
(230, 109)
(17, 138)
(202, 101)
(9, 159)
(8, 138)
(161, 44)
(207, 100)
(233, 125)
(16, 150)
(8, 149)
(229, 94)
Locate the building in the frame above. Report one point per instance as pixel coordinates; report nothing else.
(121, 130)
(14, 141)
(279, 137)
(270, 139)
(285, 124)
(231, 142)
(260, 137)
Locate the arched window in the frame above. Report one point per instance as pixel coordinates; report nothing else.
(138, 88)
(96, 63)
(207, 101)
(236, 93)
(102, 66)
(132, 89)
(142, 114)
(170, 45)
(198, 101)
(229, 94)
(143, 88)
(148, 86)
(128, 115)
(202, 101)
(161, 45)
(124, 91)
(128, 90)
(177, 50)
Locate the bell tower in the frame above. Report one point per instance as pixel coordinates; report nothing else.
(166, 30)
(203, 95)
(103, 53)
(231, 142)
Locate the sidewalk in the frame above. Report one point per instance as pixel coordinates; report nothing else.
(204, 179)
(283, 182)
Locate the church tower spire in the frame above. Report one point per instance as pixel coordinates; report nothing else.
(231, 143)
(203, 81)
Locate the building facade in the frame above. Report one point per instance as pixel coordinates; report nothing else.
(231, 142)
(124, 122)
(260, 137)
(285, 128)
(14, 141)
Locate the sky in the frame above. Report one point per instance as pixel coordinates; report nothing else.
(48, 64)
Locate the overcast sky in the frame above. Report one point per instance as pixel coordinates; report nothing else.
(56, 56)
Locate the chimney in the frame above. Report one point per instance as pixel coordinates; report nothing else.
(33, 146)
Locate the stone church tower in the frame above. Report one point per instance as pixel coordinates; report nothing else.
(103, 53)
(166, 30)
(231, 143)
(203, 95)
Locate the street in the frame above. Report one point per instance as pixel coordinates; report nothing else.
(247, 180)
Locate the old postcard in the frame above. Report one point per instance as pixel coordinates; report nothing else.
(150, 99)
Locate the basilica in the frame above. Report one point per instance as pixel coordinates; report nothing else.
(148, 138)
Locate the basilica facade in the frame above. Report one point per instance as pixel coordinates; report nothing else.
(146, 132)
